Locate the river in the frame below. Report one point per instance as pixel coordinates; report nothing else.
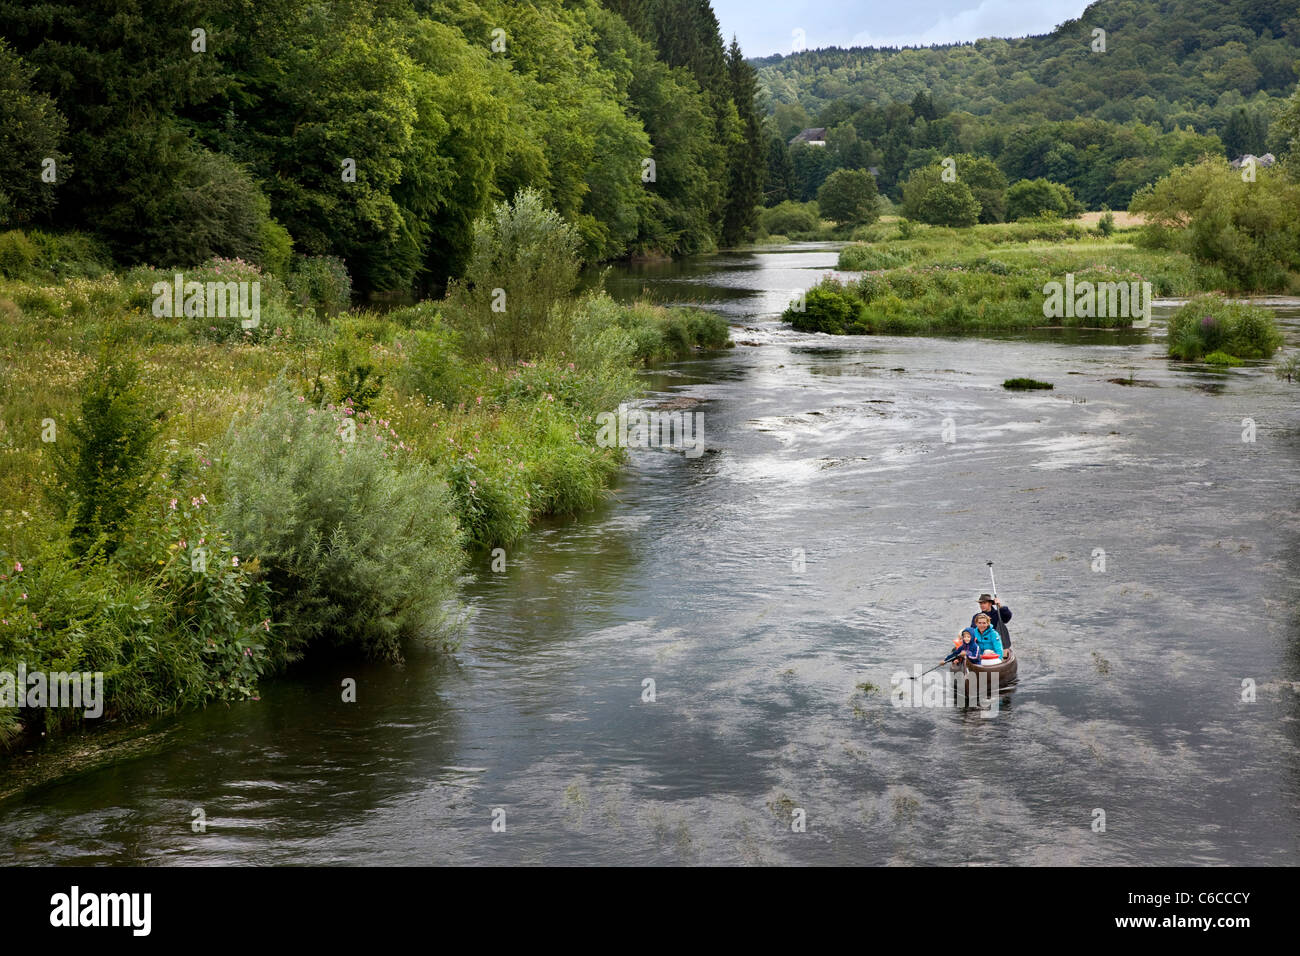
(834, 532)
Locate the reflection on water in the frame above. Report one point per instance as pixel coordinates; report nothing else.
(670, 678)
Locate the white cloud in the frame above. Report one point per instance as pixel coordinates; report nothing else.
(992, 18)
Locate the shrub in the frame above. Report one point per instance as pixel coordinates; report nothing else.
(1031, 198)
(1222, 358)
(513, 301)
(433, 367)
(357, 540)
(1026, 384)
(828, 307)
(1106, 224)
(277, 248)
(70, 254)
(1209, 323)
(1249, 231)
(322, 283)
(1288, 368)
(490, 488)
(17, 254)
(790, 218)
(104, 461)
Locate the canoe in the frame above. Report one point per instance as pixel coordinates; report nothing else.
(1006, 669)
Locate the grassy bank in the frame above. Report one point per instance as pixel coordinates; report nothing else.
(985, 278)
(189, 506)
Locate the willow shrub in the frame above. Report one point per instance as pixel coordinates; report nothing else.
(1209, 324)
(514, 300)
(357, 539)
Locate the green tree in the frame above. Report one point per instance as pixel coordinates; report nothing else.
(987, 184)
(928, 198)
(31, 129)
(1039, 197)
(746, 164)
(104, 463)
(1248, 229)
(779, 184)
(849, 196)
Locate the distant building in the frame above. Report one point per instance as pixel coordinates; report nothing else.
(1265, 161)
(813, 137)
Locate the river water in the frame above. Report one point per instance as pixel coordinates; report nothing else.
(829, 537)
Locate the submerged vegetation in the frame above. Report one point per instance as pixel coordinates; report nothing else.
(1026, 384)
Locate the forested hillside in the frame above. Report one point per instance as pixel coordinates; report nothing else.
(376, 131)
(1103, 113)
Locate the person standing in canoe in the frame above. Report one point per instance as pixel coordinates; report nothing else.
(998, 616)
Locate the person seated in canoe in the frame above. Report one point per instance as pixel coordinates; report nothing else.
(968, 646)
(987, 637)
(999, 614)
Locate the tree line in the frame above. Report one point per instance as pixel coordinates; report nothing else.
(1103, 114)
(376, 131)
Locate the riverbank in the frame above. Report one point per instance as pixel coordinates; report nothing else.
(314, 478)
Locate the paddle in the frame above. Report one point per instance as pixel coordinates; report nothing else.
(1001, 627)
(951, 657)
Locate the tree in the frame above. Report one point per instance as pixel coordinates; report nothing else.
(1040, 197)
(779, 184)
(1245, 133)
(849, 196)
(106, 464)
(987, 184)
(746, 160)
(928, 198)
(1249, 230)
(31, 128)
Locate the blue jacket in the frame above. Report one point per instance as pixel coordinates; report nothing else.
(971, 650)
(990, 640)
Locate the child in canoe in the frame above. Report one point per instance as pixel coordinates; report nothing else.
(968, 646)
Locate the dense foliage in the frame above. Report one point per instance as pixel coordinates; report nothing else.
(1177, 79)
(1245, 223)
(373, 131)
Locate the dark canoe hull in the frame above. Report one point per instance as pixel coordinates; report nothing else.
(1006, 670)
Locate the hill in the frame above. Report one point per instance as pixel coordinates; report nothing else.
(1166, 79)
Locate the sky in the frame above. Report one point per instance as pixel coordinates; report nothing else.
(764, 27)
